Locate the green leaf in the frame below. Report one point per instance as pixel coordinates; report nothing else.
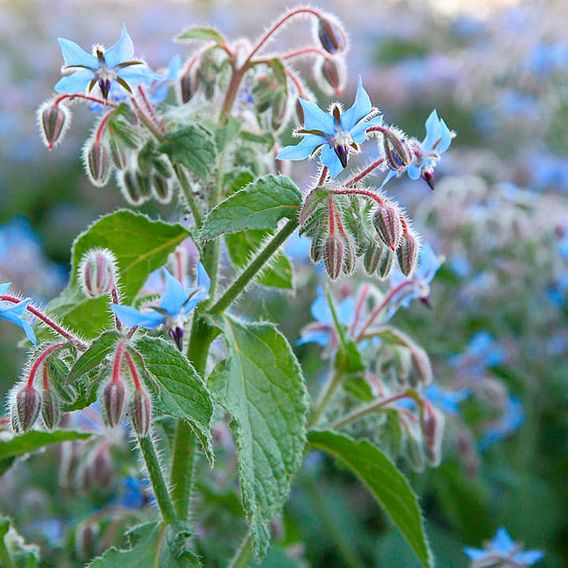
(386, 483)
(260, 205)
(14, 552)
(140, 245)
(279, 273)
(182, 392)
(191, 146)
(261, 385)
(94, 355)
(155, 545)
(31, 442)
(201, 34)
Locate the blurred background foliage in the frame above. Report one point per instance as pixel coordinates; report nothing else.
(497, 71)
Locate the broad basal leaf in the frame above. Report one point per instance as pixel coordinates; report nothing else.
(260, 205)
(260, 384)
(182, 392)
(386, 483)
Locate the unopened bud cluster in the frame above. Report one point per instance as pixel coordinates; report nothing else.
(98, 272)
(347, 225)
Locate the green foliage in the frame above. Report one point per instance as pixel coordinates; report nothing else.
(261, 385)
(201, 33)
(386, 483)
(94, 355)
(14, 552)
(260, 205)
(140, 245)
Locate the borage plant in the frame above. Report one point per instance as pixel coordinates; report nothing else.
(147, 335)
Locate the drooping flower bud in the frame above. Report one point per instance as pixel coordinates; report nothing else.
(141, 412)
(98, 162)
(372, 256)
(332, 73)
(53, 121)
(130, 187)
(186, 89)
(407, 252)
(334, 256)
(86, 541)
(350, 257)
(50, 408)
(414, 448)
(433, 421)
(101, 471)
(161, 188)
(97, 272)
(386, 263)
(119, 153)
(396, 151)
(386, 220)
(279, 109)
(330, 34)
(28, 403)
(316, 250)
(114, 395)
(422, 365)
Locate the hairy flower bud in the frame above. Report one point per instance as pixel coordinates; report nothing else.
(130, 187)
(350, 256)
(186, 89)
(28, 402)
(50, 408)
(279, 107)
(316, 250)
(334, 256)
(97, 272)
(86, 539)
(396, 151)
(161, 188)
(98, 164)
(332, 73)
(118, 152)
(433, 431)
(422, 365)
(330, 34)
(114, 395)
(372, 257)
(386, 220)
(141, 412)
(407, 252)
(386, 263)
(53, 121)
(414, 448)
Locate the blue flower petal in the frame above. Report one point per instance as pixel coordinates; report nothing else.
(4, 288)
(445, 138)
(136, 74)
(346, 310)
(174, 295)
(529, 557)
(474, 553)
(76, 83)
(132, 317)
(320, 310)
(14, 314)
(360, 109)
(432, 130)
(329, 158)
(321, 338)
(358, 132)
(121, 51)
(317, 119)
(74, 55)
(203, 280)
(502, 541)
(392, 174)
(302, 150)
(414, 171)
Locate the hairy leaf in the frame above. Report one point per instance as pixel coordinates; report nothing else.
(94, 355)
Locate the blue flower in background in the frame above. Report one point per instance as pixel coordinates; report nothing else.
(481, 353)
(102, 67)
(160, 87)
(503, 550)
(323, 331)
(14, 313)
(176, 304)
(135, 493)
(446, 400)
(335, 133)
(510, 421)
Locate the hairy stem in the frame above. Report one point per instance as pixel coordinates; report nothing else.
(325, 397)
(243, 554)
(188, 194)
(181, 474)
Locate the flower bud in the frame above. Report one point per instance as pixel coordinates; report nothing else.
(28, 402)
(53, 121)
(396, 151)
(407, 253)
(386, 263)
(433, 431)
(97, 272)
(422, 365)
(350, 257)
(141, 412)
(161, 188)
(97, 161)
(186, 89)
(316, 250)
(130, 187)
(86, 539)
(50, 408)
(279, 109)
(372, 257)
(114, 395)
(415, 450)
(332, 72)
(386, 220)
(118, 153)
(100, 470)
(334, 256)
(331, 35)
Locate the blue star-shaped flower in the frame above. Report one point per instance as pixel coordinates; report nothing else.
(102, 67)
(335, 133)
(176, 304)
(502, 549)
(14, 313)
(426, 154)
(510, 421)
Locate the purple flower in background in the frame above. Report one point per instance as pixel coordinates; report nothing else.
(510, 421)
(502, 550)
(103, 68)
(335, 133)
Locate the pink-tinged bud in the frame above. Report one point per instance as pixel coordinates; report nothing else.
(334, 256)
(130, 188)
(101, 468)
(414, 447)
(86, 539)
(98, 164)
(422, 365)
(186, 89)
(350, 256)
(428, 176)
(396, 151)
(162, 190)
(28, 403)
(53, 121)
(50, 408)
(433, 431)
(386, 220)
(118, 152)
(141, 412)
(114, 396)
(333, 74)
(97, 272)
(331, 35)
(386, 263)
(407, 253)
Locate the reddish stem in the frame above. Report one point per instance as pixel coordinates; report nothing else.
(45, 377)
(331, 216)
(37, 363)
(404, 224)
(364, 192)
(149, 107)
(297, 83)
(102, 126)
(363, 295)
(133, 371)
(84, 97)
(364, 173)
(46, 320)
(306, 51)
(324, 174)
(117, 361)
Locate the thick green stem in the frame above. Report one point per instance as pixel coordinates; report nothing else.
(188, 194)
(156, 477)
(243, 555)
(240, 283)
(182, 469)
(326, 395)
